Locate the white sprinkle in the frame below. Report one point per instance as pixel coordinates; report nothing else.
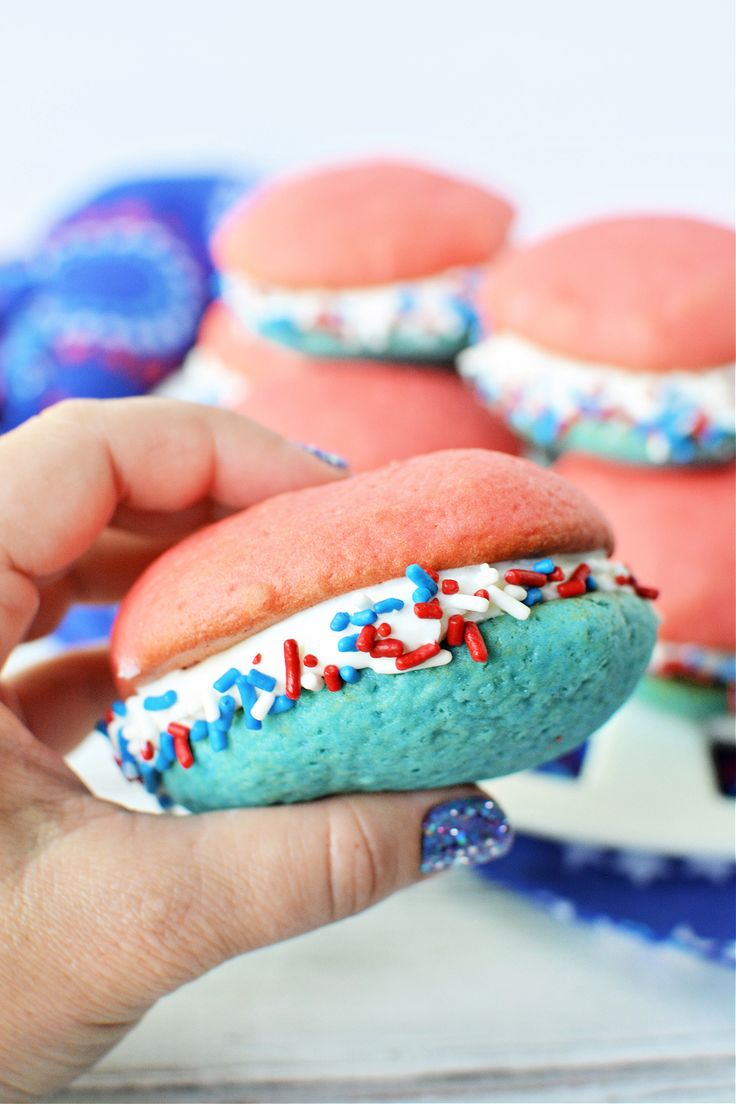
(515, 591)
(210, 705)
(474, 602)
(312, 681)
(361, 601)
(263, 704)
(488, 575)
(508, 604)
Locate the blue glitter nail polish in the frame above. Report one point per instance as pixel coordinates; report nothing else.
(330, 458)
(469, 830)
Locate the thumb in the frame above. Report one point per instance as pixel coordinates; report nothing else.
(242, 879)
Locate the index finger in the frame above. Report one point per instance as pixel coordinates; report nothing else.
(70, 471)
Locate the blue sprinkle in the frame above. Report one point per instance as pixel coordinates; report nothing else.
(590, 583)
(349, 674)
(227, 710)
(125, 755)
(102, 727)
(388, 605)
(282, 704)
(218, 737)
(546, 428)
(340, 621)
(165, 801)
(198, 731)
(422, 594)
(420, 578)
(533, 595)
(348, 643)
(227, 680)
(263, 682)
(363, 617)
(248, 697)
(151, 779)
(546, 566)
(219, 729)
(166, 745)
(120, 708)
(161, 701)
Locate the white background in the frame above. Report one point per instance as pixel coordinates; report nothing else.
(574, 107)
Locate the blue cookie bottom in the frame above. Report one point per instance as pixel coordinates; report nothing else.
(548, 684)
(432, 347)
(621, 441)
(685, 698)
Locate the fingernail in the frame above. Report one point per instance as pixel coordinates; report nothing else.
(330, 458)
(467, 830)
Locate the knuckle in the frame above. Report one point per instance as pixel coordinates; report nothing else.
(361, 864)
(70, 412)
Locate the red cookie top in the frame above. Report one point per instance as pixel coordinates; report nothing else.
(675, 527)
(370, 412)
(653, 293)
(291, 552)
(375, 222)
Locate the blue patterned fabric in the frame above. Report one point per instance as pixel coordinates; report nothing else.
(688, 903)
(112, 299)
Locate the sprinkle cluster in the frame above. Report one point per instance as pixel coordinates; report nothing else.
(369, 318)
(335, 641)
(705, 666)
(679, 416)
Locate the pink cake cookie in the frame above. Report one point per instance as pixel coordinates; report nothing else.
(677, 526)
(452, 616)
(368, 412)
(371, 259)
(615, 337)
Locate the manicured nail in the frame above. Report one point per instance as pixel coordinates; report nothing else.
(469, 830)
(330, 458)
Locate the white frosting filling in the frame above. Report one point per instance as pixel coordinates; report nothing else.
(368, 317)
(205, 378)
(196, 697)
(535, 379)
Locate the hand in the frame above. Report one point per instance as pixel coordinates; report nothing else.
(103, 911)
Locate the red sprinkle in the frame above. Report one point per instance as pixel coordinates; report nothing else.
(519, 577)
(475, 643)
(582, 571)
(293, 670)
(482, 593)
(109, 717)
(178, 731)
(310, 660)
(257, 658)
(647, 592)
(388, 647)
(366, 638)
(332, 677)
(573, 588)
(432, 574)
(450, 586)
(624, 580)
(384, 629)
(455, 630)
(428, 610)
(557, 575)
(413, 659)
(181, 744)
(147, 751)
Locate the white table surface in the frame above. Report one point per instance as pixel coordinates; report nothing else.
(451, 991)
